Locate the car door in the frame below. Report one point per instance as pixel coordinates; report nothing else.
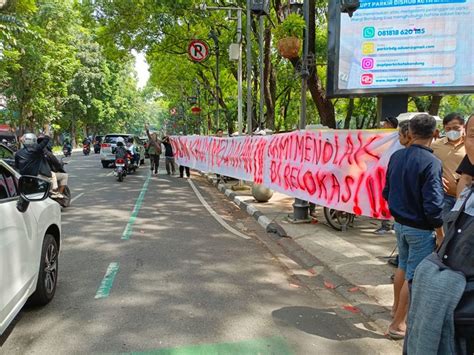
(18, 247)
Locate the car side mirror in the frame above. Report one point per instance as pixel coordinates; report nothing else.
(31, 189)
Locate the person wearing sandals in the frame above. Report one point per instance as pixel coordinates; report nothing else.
(414, 192)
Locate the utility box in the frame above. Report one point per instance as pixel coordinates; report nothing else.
(260, 7)
(234, 51)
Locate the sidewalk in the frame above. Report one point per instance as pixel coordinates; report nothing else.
(353, 262)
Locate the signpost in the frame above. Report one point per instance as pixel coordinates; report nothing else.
(198, 50)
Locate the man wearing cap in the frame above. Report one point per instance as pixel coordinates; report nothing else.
(389, 122)
(450, 150)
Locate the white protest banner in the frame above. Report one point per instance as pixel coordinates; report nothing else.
(344, 170)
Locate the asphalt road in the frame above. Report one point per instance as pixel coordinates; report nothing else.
(177, 280)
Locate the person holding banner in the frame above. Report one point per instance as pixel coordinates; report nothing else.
(414, 192)
(169, 156)
(387, 123)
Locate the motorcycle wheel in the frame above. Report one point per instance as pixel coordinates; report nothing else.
(119, 177)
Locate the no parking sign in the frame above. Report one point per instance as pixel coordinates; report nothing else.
(198, 50)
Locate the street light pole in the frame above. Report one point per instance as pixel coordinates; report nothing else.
(262, 87)
(214, 37)
(239, 69)
(249, 69)
(301, 207)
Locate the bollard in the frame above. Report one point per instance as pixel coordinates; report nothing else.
(300, 210)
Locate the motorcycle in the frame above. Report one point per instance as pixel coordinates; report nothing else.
(120, 169)
(86, 149)
(96, 147)
(64, 201)
(67, 151)
(131, 166)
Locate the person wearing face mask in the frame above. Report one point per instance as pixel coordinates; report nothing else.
(450, 150)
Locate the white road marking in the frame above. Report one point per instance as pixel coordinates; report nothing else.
(214, 213)
(110, 174)
(78, 196)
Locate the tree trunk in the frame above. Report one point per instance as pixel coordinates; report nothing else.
(269, 80)
(420, 105)
(434, 105)
(350, 110)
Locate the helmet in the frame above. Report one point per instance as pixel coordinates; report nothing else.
(29, 139)
(120, 141)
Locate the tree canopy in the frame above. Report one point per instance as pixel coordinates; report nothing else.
(67, 65)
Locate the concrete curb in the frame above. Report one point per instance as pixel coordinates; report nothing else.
(264, 221)
(301, 263)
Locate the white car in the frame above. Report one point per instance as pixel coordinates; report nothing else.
(30, 238)
(109, 144)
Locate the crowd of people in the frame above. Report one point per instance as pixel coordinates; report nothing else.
(429, 193)
(429, 190)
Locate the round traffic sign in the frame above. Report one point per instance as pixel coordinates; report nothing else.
(198, 50)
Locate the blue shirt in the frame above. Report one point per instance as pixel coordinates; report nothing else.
(414, 188)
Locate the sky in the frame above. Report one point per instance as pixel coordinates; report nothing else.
(141, 67)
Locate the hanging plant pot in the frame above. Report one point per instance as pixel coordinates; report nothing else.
(289, 47)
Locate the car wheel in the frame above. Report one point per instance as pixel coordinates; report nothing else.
(48, 273)
(105, 164)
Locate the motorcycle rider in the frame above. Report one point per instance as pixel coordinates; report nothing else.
(121, 151)
(31, 160)
(59, 175)
(67, 146)
(133, 150)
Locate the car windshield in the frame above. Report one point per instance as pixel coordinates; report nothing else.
(113, 138)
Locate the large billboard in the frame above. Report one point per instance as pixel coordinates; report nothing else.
(402, 46)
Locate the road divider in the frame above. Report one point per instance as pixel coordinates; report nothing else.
(108, 281)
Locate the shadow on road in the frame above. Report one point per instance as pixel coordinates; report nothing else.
(325, 323)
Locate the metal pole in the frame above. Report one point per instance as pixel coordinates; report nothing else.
(217, 84)
(301, 207)
(304, 67)
(249, 69)
(260, 59)
(239, 72)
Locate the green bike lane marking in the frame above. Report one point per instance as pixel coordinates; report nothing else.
(105, 286)
(265, 346)
(127, 233)
(107, 282)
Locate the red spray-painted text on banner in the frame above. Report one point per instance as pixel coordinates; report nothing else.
(344, 170)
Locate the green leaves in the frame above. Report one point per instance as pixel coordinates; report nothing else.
(292, 26)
